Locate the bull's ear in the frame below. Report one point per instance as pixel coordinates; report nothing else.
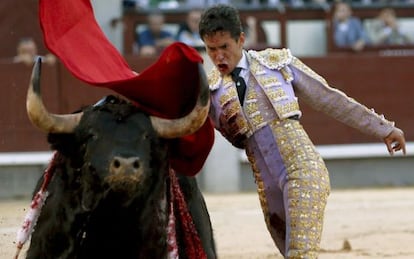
(64, 143)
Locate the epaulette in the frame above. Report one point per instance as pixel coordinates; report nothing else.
(272, 58)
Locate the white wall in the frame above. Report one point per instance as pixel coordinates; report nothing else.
(304, 38)
(105, 12)
(307, 38)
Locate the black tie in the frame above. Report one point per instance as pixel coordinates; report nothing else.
(240, 83)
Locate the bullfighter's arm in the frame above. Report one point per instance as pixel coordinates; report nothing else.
(316, 92)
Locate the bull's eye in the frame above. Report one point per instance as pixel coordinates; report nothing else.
(92, 136)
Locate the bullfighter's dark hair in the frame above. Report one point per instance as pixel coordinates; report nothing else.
(220, 18)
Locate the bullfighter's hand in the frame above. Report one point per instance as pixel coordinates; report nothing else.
(395, 141)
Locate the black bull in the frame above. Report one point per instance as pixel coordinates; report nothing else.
(109, 194)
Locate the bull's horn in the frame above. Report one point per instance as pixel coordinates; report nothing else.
(173, 128)
(39, 116)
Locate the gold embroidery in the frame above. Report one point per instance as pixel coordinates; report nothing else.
(227, 81)
(227, 97)
(214, 79)
(286, 74)
(256, 69)
(242, 124)
(307, 184)
(286, 110)
(272, 58)
(277, 94)
(260, 186)
(269, 81)
(308, 188)
(231, 109)
(257, 121)
(251, 108)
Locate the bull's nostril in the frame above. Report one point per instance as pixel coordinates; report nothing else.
(136, 164)
(116, 163)
(121, 165)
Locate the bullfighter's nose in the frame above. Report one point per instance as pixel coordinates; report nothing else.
(121, 165)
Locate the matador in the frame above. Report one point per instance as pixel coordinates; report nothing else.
(292, 179)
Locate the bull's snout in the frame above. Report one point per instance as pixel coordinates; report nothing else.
(121, 165)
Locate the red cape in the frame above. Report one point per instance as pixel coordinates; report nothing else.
(168, 88)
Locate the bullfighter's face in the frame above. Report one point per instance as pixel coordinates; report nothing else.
(224, 51)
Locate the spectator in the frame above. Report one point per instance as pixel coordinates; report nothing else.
(188, 32)
(348, 30)
(154, 38)
(129, 3)
(384, 29)
(135, 4)
(27, 53)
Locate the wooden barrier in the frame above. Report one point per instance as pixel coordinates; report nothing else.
(16, 132)
(61, 92)
(380, 82)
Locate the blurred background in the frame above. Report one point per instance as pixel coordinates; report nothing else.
(378, 75)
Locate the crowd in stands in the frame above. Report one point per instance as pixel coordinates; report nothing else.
(188, 31)
(382, 30)
(154, 36)
(349, 31)
(294, 3)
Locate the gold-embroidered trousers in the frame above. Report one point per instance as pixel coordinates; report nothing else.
(293, 186)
